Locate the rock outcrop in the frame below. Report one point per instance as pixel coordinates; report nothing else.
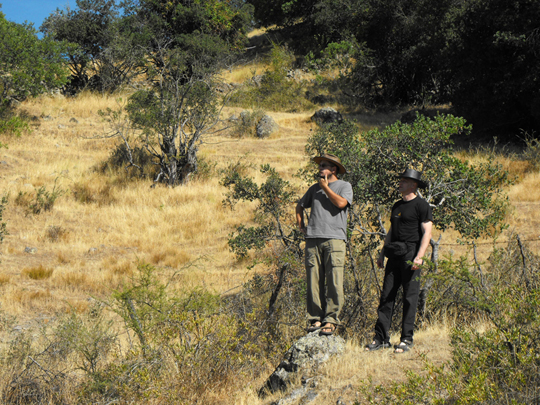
(303, 358)
(266, 127)
(326, 115)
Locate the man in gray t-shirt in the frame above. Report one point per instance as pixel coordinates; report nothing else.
(326, 234)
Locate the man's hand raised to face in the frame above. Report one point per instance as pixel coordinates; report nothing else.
(323, 181)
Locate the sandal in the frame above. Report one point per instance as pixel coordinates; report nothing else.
(314, 326)
(376, 345)
(404, 346)
(330, 326)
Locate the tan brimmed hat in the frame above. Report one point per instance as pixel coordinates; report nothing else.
(333, 159)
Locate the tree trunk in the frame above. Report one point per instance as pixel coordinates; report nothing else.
(173, 173)
(273, 298)
(189, 166)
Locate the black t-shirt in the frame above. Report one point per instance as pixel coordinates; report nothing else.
(407, 217)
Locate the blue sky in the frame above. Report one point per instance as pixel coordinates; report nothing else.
(34, 11)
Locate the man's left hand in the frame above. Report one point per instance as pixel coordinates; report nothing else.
(417, 262)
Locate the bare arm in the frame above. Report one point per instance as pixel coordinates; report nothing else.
(424, 243)
(334, 198)
(300, 218)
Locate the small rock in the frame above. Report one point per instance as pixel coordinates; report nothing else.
(60, 126)
(92, 251)
(74, 120)
(30, 250)
(245, 117)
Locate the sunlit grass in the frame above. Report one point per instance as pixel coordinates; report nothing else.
(102, 226)
(100, 217)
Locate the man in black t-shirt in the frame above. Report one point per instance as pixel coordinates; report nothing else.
(411, 224)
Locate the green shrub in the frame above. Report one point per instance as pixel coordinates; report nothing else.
(180, 346)
(11, 124)
(42, 201)
(14, 125)
(183, 345)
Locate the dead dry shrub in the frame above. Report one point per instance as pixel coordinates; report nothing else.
(181, 346)
(55, 233)
(37, 273)
(101, 194)
(62, 258)
(34, 386)
(133, 163)
(31, 376)
(531, 153)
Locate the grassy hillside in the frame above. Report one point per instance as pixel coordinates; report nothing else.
(101, 226)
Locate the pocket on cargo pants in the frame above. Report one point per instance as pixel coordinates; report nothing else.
(334, 280)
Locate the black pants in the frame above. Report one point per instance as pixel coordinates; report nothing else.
(398, 273)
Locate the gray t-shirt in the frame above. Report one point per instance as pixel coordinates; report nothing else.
(326, 220)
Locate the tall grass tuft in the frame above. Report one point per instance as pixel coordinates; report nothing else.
(37, 273)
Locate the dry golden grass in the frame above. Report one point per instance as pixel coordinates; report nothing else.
(243, 73)
(98, 217)
(101, 227)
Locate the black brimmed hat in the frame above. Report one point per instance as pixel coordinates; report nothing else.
(413, 175)
(333, 159)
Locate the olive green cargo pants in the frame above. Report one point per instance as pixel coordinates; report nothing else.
(325, 259)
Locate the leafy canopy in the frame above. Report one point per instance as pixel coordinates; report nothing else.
(29, 66)
(464, 196)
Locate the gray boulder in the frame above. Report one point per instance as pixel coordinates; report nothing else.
(326, 115)
(305, 356)
(245, 117)
(266, 127)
